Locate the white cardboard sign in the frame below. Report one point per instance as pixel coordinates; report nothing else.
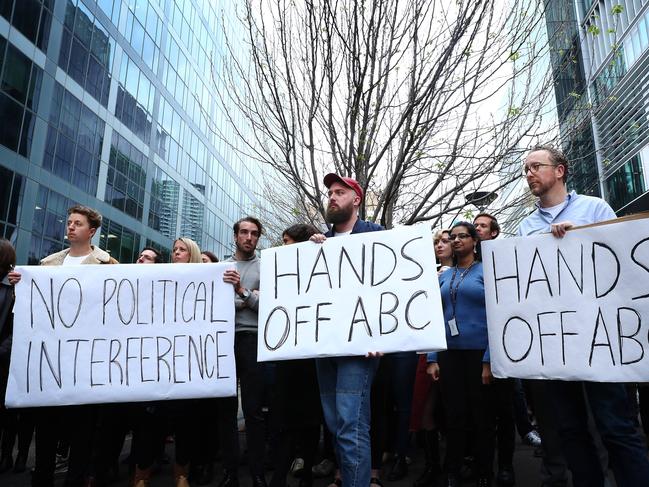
(575, 308)
(120, 333)
(368, 292)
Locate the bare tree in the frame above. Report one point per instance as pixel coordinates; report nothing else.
(422, 101)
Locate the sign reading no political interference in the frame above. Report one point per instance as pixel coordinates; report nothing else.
(575, 308)
(119, 333)
(369, 292)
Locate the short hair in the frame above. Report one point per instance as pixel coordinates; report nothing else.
(93, 216)
(249, 219)
(437, 236)
(474, 235)
(300, 232)
(7, 256)
(210, 255)
(158, 255)
(194, 249)
(493, 222)
(557, 157)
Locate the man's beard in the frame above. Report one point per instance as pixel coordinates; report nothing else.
(339, 215)
(541, 188)
(243, 251)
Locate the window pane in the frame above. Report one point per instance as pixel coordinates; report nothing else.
(12, 114)
(15, 80)
(26, 17)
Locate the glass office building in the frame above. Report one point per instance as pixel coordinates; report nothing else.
(600, 60)
(111, 104)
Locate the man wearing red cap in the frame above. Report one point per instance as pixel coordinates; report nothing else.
(345, 382)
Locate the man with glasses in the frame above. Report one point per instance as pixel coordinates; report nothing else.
(557, 211)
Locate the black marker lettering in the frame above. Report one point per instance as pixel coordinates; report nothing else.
(412, 298)
(363, 319)
(407, 257)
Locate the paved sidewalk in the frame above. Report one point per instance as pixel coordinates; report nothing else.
(526, 466)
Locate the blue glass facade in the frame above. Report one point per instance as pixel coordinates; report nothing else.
(110, 103)
(600, 60)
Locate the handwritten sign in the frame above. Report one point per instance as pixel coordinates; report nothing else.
(351, 295)
(575, 308)
(117, 333)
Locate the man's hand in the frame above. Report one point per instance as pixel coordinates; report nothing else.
(374, 354)
(318, 238)
(433, 370)
(14, 277)
(487, 376)
(231, 276)
(559, 229)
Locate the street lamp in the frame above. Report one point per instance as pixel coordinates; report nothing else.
(481, 199)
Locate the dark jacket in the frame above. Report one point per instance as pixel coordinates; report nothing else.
(361, 226)
(6, 320)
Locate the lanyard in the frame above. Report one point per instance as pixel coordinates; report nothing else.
(455, 289)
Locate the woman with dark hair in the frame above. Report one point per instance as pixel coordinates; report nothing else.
(208, 257)
(296, 417)
(463, 369)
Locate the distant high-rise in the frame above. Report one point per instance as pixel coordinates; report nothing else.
(600, 61)
(110, 103)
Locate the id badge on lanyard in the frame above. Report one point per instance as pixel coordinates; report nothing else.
(452, 326)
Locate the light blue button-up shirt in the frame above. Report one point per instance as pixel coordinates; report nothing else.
(578, 209)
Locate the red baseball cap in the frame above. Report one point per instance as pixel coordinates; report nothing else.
(331, 178)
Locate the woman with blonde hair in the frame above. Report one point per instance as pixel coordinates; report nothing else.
(181, 412)
(185, 251)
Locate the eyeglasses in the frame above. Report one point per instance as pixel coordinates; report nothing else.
(462, 236)
(534, 167)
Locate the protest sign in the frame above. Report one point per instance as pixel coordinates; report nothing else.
(575, 308)
(351, 295)
(120, 333)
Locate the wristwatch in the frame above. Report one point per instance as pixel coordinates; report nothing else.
(244, 294)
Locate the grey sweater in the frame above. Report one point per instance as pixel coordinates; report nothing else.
(246, 311)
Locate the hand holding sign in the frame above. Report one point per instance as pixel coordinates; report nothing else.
(348, 295)
(575, 308)
(92, 334)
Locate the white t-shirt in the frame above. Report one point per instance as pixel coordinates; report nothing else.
(69, 260)
(556, 209)
(342, 234)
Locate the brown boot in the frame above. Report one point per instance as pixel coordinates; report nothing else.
(180, 475)
(141, 477)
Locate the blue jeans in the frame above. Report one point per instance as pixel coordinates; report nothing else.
(614, 417)
(345, 384)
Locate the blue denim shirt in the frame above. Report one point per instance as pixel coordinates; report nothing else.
(579, 209)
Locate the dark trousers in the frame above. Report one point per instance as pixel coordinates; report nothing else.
(402, 368)
(467, 402)
(614, 417)
(251, 381)
(80, 425)
(16, 423)
(505, 429)
(521, 416)
(307, 437)
(205, 446)
(554, 471)
(643, 394)
(47, 421)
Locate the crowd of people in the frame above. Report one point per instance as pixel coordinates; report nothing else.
(365, 409)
